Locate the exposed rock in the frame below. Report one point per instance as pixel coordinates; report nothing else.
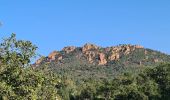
(138, 47)
(90, 55)
(87, 47)
(39, 61)
(52, 55)
(102, 59)
(127, 50)
(114, 56)
(116, 49)
(60, 58)
(69, 49)
(91, 52)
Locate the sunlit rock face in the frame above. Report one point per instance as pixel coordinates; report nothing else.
(92, 53)
(102, 59)
(52, 55)
(69, 49)
(88, 46)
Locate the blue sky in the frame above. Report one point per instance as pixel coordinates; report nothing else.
(54, 24)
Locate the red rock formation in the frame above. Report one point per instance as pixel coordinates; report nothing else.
(60, 58)
(91, 52)
(87, 47)
(102, 59)
(52, 55)
(39, 61)
(138, 46)
(90, 55)
(69, 49)
(127, 50)
(114, 56)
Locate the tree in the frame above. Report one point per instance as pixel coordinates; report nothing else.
(18, 80)
(129, 87)
(161, 75)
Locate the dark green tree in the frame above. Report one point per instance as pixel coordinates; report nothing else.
(161, 75)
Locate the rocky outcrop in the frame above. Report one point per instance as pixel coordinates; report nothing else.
(39, 61)
(114, 56)
(102, 59)
(69, 49)
(52, 55)
(90, 55)
(59, 58)
(87, 47)
(91, 52)
(127, 50)
(138, 46)
(117, 51)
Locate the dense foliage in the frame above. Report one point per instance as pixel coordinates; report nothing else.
(151, 84)
(20, 81)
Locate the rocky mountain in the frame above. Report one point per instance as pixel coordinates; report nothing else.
(95, 61)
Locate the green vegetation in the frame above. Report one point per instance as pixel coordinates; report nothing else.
(150, 84)
(19, 80)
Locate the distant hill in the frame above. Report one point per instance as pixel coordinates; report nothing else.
(95, 61)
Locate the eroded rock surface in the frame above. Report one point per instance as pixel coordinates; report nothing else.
(102, 59)
(52, 55)
(69, 49)
(87, 47)
(94, 54)
(90, 55)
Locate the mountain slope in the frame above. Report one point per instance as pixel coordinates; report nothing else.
(92, 61)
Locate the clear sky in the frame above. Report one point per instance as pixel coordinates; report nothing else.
(54, 24)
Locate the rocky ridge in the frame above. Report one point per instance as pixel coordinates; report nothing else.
(92, 53)
(100, 62)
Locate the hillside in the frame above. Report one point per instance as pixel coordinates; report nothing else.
(95, 61)
(83, 73)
